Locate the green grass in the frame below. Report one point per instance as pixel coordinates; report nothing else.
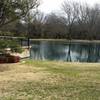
(47, 80)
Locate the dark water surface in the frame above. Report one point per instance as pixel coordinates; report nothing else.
(64, 51)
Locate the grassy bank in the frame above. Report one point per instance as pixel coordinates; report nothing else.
(38, 80)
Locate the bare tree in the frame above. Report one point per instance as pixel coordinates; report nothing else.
(88, 18)
(70, 10)
(31, 9)
(55, 26)
(39, 22)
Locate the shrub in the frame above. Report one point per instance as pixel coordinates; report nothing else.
(12, 44)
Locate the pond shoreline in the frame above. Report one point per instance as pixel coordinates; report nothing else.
(65, 40)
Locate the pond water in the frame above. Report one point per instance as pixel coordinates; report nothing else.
(64, 51)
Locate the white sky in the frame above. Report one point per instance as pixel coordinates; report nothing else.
(48, 6)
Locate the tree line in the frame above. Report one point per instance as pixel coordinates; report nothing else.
(76, 20)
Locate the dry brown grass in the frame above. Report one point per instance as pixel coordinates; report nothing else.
(16, 72)
(37, 80)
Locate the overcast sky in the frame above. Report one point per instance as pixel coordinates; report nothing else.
(48, 6)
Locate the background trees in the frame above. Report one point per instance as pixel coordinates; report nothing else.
(13, 15)
(70, 11)
(87, 19)
(55, 26)
(11, 10)
(77, 21)
(16, 15)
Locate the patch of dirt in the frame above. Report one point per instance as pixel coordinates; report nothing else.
(4, 67)
(24, 77)
(17, 72)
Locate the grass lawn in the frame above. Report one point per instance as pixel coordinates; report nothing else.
(46, 80)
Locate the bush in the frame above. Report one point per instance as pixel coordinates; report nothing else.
(2, 33)
(15, 47)
(12, 44)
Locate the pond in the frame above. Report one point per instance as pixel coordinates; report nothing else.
(65, 51)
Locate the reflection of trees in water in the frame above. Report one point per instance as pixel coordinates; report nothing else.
(97, 56)
(69, 53)
(83, 53)
(54, 51)
(93, 53)
(34, 52)
(80, 53)
(90, 52)
(76, 52)
(87, 52)
(90, 49)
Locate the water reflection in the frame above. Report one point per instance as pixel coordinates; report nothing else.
(73, 52)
